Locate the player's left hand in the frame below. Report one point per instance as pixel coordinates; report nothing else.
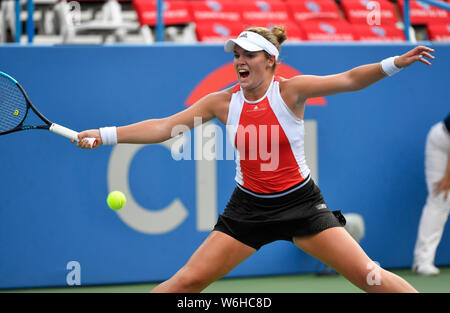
(419, 53)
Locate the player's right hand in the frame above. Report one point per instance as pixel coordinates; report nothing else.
(92, 133)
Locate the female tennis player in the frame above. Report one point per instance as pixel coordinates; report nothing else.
(275, 197)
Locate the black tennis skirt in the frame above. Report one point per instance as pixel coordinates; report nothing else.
(259, 219)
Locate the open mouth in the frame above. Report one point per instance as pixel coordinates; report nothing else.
(243, 73)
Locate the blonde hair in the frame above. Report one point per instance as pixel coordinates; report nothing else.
(276, 35)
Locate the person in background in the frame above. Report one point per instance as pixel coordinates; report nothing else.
(437, 207)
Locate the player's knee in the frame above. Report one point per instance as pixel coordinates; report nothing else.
(371, 278)
(367, 277)
(190, 280)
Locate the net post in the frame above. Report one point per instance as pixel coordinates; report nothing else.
(160, 21)
(30, 21)
(406, 21)
(18, 22)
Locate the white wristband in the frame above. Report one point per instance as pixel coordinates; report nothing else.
(109, 135)
(389, 67)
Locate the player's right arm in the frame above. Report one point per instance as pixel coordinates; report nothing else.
(158, 130)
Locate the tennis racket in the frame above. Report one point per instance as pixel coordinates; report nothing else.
(14, 108)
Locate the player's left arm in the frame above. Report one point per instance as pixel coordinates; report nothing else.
(308, 86)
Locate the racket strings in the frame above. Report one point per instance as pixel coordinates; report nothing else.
(13, 105)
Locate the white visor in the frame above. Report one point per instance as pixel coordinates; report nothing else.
(252, 41)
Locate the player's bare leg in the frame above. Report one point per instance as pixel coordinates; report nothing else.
(215, 258)
(336, 248)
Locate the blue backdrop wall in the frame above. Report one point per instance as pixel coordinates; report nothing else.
(370, 161)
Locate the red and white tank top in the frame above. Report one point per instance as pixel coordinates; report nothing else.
(268, 140)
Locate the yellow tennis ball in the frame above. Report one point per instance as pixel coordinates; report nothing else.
(116, 200)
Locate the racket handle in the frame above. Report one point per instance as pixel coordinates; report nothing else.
(71, 134)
